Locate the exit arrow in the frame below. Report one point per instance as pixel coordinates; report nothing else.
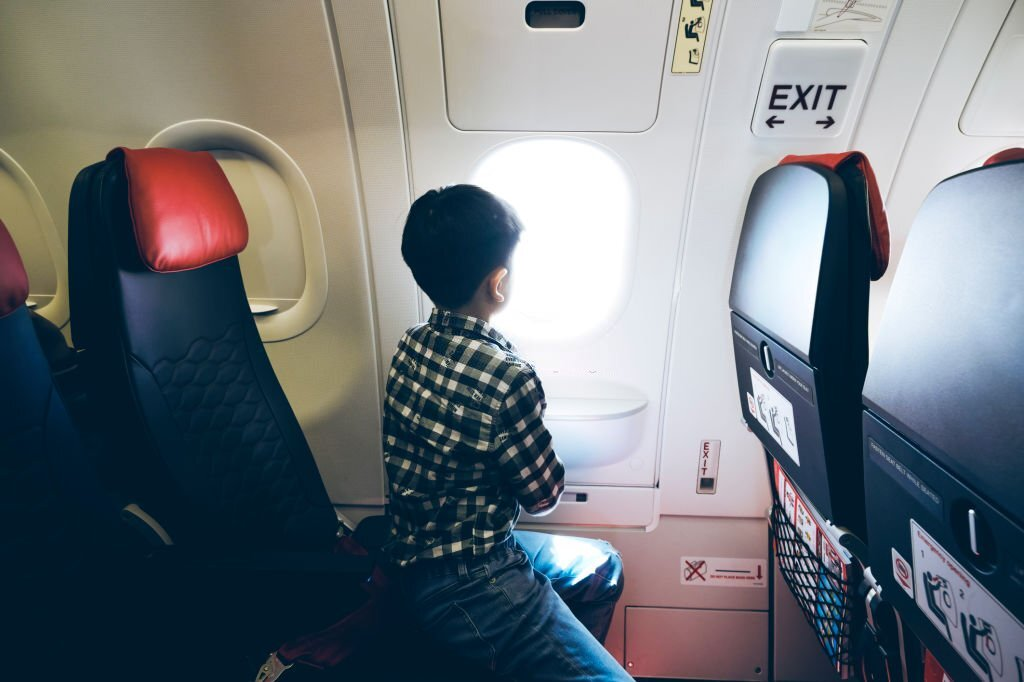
(827, 123)
(774, 121)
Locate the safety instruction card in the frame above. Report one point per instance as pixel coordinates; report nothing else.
(981, 630)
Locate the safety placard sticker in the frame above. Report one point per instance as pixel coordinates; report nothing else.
(903, 573)
(978, 627)
(775, 414)
(805, 525)
(723, 572)
(811, 527)
(691, 36)
(851, 16)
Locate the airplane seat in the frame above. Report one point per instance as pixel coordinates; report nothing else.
(76, 577)
(181, 385)
(59, 355)
(813, 238)
(943, 433)
(173, 355)
(53, 509)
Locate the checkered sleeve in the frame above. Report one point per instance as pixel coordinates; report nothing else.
(529, 465)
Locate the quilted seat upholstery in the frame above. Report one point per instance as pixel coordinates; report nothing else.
(233, 441)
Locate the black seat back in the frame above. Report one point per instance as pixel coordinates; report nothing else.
(203, 431)
(800, 305)
(53, 511)
(70, 586)
(943, 427)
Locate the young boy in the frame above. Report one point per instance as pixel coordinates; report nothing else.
(465, 448)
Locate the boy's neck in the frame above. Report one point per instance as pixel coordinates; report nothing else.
(476, 309)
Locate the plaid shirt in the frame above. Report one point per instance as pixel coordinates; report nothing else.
(464, 440)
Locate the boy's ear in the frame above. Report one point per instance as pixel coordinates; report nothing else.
(496, 284)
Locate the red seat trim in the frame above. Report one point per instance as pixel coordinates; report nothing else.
(879, 222)
(184, 213)
(13, 278)
(1011, 154)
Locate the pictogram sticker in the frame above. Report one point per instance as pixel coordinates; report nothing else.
(851, 16)
(694, 571)
(903, 573)
(775, 415)
(985, 634)
(724, 572)
(691, 36)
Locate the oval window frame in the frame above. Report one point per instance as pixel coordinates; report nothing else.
(213, 134)
(58, 310)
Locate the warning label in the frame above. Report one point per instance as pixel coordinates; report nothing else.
(845, 16)
(977, 626)
(723, 572)
(691, 36)
(812, 529)
(775, 414)
(903, 573)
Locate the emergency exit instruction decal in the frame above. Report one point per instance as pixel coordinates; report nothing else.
(985, 634)
(691, 36)
(808, 87)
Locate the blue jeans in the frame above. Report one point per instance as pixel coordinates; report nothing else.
(509, 611)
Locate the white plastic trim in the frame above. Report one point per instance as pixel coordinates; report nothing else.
(140, 514)
(57, 310)
(592, 409)
(211, 134)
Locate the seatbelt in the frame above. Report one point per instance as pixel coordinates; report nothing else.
(333, 645)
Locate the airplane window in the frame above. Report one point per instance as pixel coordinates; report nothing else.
(577, 204)
(284, 267)
(28, 219)
(274, 269)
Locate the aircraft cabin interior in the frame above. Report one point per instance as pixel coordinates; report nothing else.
(757, 389)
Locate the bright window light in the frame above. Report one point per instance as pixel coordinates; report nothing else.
(576, 558)
(571, 271)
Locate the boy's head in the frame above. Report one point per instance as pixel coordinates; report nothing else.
(458, 242)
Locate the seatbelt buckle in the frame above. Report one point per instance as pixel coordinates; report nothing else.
(272, 669)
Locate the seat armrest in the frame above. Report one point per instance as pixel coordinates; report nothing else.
(281, 562)
(306, 563)
(373, 532)
(145, 526)
(854, 545)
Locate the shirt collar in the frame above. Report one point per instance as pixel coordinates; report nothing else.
(466, 324)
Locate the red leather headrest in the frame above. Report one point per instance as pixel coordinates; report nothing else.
(184, 212)
(1011, 154)
(879, 222)
(13, 278)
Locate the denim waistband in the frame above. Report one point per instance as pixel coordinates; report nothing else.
(459, 564)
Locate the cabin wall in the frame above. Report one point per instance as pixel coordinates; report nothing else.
(82, 78)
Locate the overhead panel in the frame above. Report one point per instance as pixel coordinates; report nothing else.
(996, 104)
(550, 66)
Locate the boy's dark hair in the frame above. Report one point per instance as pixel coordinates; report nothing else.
(454, 237)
